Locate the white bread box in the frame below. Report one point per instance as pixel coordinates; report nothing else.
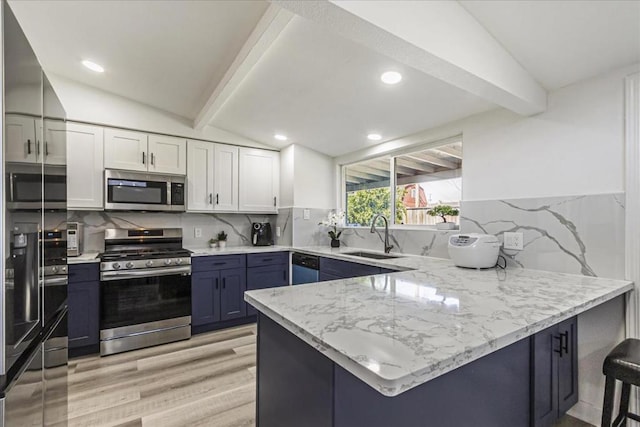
(474, 250)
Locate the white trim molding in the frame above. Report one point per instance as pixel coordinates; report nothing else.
(632, 203)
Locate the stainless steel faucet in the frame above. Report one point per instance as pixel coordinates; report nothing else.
(387, 246)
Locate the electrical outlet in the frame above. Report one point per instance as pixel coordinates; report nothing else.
(513, 241)
(306, 214)
(277, 231)
(197, 232)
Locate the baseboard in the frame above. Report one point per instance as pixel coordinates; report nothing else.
(586, 412)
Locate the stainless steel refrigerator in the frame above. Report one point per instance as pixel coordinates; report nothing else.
(33, 290)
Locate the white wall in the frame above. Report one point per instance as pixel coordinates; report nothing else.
(575, 147)
(87, 104)
(313, 179)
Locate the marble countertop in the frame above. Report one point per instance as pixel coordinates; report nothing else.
(396, 331)
(86, 257)
(234, 250)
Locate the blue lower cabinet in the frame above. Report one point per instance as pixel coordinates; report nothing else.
(83, 295)
(217, 290)
(269, 276)
(205, 297)
(554, 372)
(233, 283)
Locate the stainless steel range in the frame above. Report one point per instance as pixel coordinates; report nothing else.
(145, 289)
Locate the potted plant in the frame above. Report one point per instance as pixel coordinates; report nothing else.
(333, 220)
(213, 243)
(222, 239)
(443, 211)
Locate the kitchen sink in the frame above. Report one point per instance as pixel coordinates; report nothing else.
(372, 255)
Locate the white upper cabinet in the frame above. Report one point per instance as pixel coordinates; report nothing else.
(199, 176)
(167, 154)
(20, 134)
(212, 177)
(259, 180)
(225, 178)
(55, 143)
(85, 176)
(137, 151)
(125, 149)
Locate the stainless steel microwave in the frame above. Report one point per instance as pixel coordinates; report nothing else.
(139, 191)
(26, 189)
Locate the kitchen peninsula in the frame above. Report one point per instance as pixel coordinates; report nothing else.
(436, 346)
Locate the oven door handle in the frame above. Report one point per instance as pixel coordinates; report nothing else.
(133, 274)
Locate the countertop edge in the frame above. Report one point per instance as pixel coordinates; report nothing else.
(395, 386)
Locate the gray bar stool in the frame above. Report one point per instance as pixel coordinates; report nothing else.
(623, 364)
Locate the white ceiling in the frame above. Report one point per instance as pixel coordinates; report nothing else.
(562, 42)
(167, 54)
(320, 89)
(324, 92)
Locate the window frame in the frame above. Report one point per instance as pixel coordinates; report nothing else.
(392, 180)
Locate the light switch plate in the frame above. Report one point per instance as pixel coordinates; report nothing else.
(513, 241)
(197, 232)
(277, 231)
(306, 214)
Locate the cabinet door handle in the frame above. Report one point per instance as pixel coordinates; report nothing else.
(37, 148)
(224, 285)
(143, 157)
(152, 159)
(284, 275)
(46, 148)
(274, 202)
(267, 259)
(216, 283)
(28, 146)
(219, 263)
(217, 199)
(210, 198)
(563, 343)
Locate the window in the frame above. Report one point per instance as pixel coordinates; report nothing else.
(421, 180)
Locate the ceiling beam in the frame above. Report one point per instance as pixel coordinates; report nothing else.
(419, 166)
(362, 175)
(266, 31)
(370, 170)
(449, 151)
(439, 38)
(423, 157)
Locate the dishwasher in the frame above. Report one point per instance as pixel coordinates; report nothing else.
(305, 268)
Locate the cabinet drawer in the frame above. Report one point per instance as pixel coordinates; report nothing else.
(270, 258)
(84, 272)
(344, 269)
(268, 276)
(218, 262)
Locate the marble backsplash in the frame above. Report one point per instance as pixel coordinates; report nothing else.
(237, 226)
(580, 234)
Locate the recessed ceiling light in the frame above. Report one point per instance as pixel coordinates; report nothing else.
(391, 77)
(374, 137)
(280, 137)
(93, 66)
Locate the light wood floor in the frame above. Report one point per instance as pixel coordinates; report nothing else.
(208, 380)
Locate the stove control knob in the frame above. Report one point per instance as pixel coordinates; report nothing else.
(129, 265)
(54, 269)
(63, 269)
(179, 261)
(116, 266)
(149, 263)
(168, 261)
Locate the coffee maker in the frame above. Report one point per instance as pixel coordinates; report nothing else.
(261, 234)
